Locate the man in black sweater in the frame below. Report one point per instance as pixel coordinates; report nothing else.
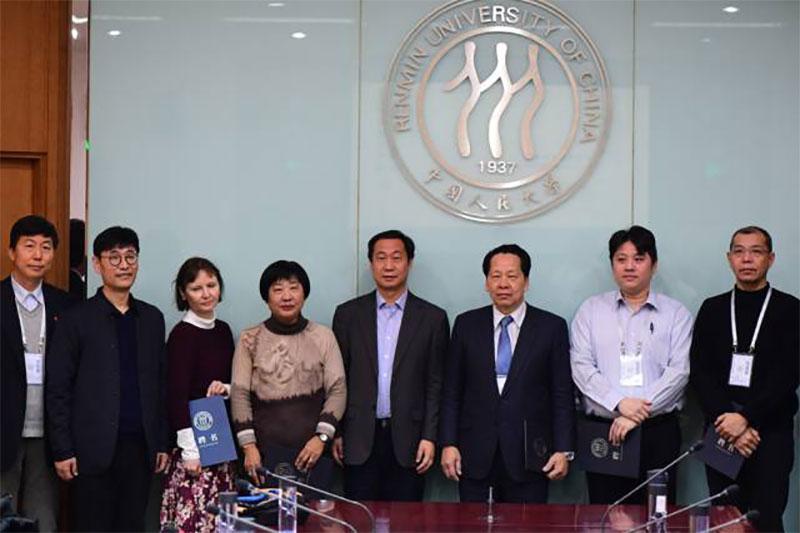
(106, 394)
(745, 372)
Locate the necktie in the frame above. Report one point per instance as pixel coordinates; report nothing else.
(504, 347)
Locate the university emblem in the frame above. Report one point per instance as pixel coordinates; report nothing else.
(497, 112)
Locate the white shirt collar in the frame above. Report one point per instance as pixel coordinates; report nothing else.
(517, 314)
(652, 299)
(203, 323)
(21, 293)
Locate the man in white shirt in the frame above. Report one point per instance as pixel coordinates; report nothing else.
(630, 361)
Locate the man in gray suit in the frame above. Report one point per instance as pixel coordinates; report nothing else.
(393, 346)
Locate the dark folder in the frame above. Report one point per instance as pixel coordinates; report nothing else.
(538, 448)
(720, 455)
(212, 430)
(280, 460)
(596, 453)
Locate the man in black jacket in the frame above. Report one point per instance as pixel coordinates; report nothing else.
(507, 384)
(29, 309)
(106, 396)
(746, 372)
(393, 345)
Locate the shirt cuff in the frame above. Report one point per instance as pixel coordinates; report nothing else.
(227, 394)
(327, 429)
(246, 436)
(188, 445)
(611, 400)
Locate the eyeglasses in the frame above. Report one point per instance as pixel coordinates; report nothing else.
(116, 259)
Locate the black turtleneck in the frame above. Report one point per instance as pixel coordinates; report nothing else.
(771, 400)
(279, 328)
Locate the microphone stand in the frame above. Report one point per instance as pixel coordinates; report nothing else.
(750, 515)
(358, 504)
(696, 447)
(729, 491)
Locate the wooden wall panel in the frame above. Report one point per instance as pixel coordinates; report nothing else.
(34, 120)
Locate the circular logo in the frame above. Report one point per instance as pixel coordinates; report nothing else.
(599, 447)
(497, 113)
(203, 420)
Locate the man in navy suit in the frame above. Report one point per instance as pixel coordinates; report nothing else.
(507, 388)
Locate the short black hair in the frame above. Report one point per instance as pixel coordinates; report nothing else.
(640, 237)
(283, 270)
(748, 230)
(77, 242)
(115, 237)
(515, 249)
(188, 273)
(31, 225)
(408, 243)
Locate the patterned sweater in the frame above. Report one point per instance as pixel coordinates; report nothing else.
(286, 388)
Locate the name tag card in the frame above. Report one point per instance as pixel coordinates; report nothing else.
(34, 368)
(631, 373)
(741, 370)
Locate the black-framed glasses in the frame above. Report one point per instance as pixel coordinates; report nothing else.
(116, 259)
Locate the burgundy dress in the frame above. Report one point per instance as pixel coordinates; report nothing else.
(197, 357)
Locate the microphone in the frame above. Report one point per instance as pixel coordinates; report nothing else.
(267, 472)
(696, 447)
(242, 485)
(728, 491)
(749, 516)
(217, 511)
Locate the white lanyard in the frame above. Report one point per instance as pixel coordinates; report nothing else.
(623, 336)
(758, 324)
(41, 329)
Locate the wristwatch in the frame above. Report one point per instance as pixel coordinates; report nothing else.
(569, 455)
(324, 437)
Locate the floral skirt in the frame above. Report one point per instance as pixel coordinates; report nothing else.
(183, 504)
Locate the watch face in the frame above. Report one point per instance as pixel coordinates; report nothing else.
(323, 437)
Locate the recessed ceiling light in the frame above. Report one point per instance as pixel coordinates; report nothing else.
(114, 33)
(298, 35)
(74, 33)
(79, 20)
(705, 40)
(731, 9)
(276, 4)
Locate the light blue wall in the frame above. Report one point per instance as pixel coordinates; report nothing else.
(215, 133)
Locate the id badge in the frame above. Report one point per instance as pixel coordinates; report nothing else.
(741, 370)
(630, 371)
(34, 368)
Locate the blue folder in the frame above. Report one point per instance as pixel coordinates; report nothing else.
(212, 430)
(720, 455)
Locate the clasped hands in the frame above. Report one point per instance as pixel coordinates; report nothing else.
(634, 411)
(735, 429)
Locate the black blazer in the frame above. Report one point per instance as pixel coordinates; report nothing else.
(13, 379)
(83, 383)
(539, 390)
(416, 375)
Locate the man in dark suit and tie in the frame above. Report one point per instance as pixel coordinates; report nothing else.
(507, 388)
(393, 346)
(29, 309)
(106, 394)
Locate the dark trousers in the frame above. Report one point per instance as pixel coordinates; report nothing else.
(504, 488)
(763, 480)
(661, 443)
(114, 500)
(381, 477)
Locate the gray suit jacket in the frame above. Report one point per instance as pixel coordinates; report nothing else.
(416, 375)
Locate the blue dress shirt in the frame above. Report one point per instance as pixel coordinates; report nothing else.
(388, 319)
